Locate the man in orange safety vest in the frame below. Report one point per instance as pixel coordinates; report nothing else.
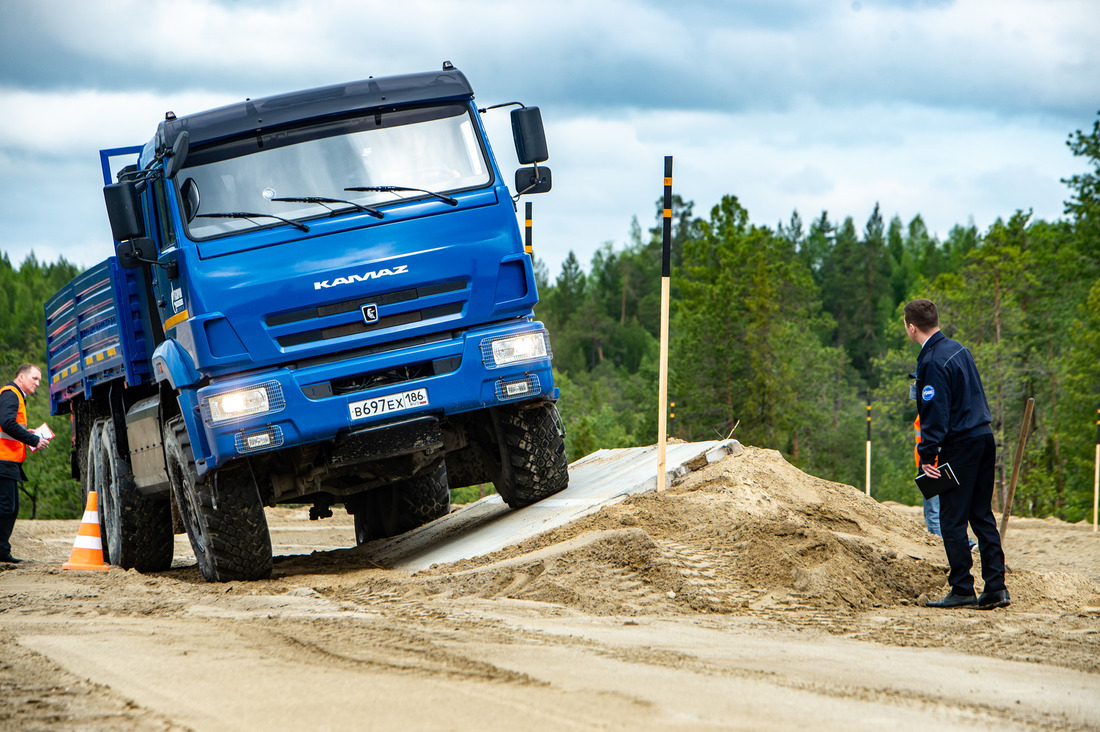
(14, 439)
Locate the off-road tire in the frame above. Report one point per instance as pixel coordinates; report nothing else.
(222, 513)
(136, 529)
(85, 414)
(403, 506)
(531, 444)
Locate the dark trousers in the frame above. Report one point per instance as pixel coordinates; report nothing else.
(973, 461)
(9, 510)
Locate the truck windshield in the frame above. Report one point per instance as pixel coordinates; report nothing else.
(431, 148)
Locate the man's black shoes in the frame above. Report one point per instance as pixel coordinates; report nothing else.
(990, 600)
(8, 558)
(953, 600)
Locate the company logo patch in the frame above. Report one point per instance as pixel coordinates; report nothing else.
(928, 392)
(366, 276)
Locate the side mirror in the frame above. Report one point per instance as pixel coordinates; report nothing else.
(178, 155)
(124, 210)
(533, 180)
(529, 135)
(189, 193)
(133, 253)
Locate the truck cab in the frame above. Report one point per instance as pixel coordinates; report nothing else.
(322, 297)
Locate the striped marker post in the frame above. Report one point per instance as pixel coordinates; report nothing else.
(527, 245)
(88, 548)
(666, 274)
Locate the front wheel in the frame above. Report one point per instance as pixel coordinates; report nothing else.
(531, 444)
(223, 513)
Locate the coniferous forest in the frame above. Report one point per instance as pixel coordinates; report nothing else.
(782, 337)
(789, 333)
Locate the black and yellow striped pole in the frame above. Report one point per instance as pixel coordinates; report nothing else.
(868, 478)
(666, 274)
(527, 245)
(1096, 476)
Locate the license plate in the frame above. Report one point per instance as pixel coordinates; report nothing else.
(389, 404)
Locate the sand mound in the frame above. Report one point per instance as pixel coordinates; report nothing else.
(748, 533)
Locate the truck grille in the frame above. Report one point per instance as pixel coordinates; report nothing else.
(339, 330)
(387, 377)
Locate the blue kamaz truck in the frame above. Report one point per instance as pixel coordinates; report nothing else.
(321, 298)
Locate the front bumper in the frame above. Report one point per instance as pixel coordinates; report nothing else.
(318, 401)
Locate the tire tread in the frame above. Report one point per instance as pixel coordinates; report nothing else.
(533, 454)
(237, 544)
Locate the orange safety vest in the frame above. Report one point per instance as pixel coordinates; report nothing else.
(916, 428)
(11, 449)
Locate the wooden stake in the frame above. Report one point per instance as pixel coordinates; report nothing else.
(1096, 477)
(666, 274)
(1025, 427)
(868, 479)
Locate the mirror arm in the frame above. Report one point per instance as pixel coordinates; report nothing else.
(140, 178)
(149, 172)
(171, 267)
(515, 198)
(505, 104)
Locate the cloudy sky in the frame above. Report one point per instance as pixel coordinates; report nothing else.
(954, 109)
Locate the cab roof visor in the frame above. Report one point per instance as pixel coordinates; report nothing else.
(253, 115)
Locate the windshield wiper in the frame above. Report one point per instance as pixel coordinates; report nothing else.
(394, 189)
(250, 215)
(324, 201)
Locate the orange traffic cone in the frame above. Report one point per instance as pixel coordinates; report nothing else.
(88, 547)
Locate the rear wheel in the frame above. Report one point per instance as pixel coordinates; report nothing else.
(222, 513)
(403, 506)
(136, 529)
(531, 463)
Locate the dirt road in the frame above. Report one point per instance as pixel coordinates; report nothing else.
(748, 596)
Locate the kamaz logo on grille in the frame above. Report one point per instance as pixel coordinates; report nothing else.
(370, 312)
(373, 275)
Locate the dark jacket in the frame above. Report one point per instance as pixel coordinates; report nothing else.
(9, 410)
(950, 398)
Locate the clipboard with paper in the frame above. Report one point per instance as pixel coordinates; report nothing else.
(930, 487)
(42, 430)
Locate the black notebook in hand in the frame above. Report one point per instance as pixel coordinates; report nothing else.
(934, 486)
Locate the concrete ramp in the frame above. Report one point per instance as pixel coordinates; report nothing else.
(603, 478)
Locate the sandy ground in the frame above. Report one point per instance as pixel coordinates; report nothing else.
(748, 596)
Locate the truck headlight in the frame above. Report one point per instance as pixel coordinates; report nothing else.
(245, 402)
(497, 352)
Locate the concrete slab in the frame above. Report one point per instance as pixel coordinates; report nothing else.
(600, 479)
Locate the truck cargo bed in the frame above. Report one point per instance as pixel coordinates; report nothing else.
(94, 334)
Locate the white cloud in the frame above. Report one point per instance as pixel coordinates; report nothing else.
(76, 123)
(947, 109)
(946, 166)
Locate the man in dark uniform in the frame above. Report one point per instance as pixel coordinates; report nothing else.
(14, 439)
(954, 421)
